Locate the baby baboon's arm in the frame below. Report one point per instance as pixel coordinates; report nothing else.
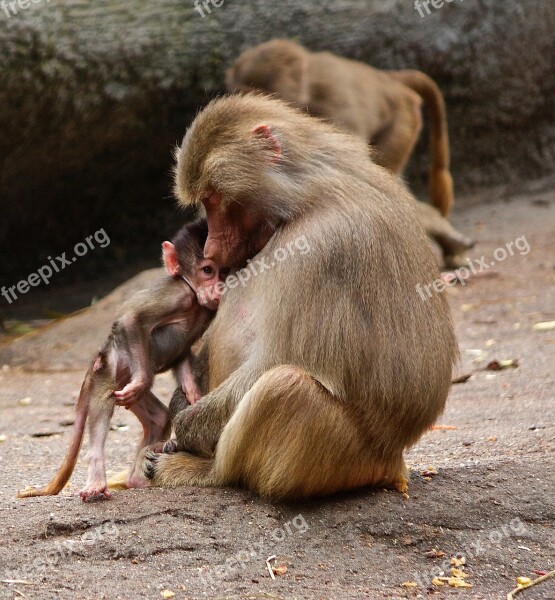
(146, 312)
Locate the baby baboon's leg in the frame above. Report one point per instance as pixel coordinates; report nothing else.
(100, 413)
(178, 403)
(153, 416)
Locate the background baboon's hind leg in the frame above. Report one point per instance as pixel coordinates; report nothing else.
(453, 243)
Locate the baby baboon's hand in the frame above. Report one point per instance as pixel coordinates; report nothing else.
(130, 393)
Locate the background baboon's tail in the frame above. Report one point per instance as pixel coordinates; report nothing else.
(441, 183)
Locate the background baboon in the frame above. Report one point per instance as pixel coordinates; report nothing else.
(322, 370)
(382, 107)
(154, 334)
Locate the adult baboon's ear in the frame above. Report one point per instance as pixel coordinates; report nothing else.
(265, 132)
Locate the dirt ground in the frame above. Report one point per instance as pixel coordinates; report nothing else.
(492, 500)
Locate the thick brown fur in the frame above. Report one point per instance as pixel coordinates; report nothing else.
(324, 368)
(382, 107)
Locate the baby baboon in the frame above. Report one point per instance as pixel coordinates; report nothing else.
(154, 333)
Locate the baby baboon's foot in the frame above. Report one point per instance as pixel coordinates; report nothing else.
(165, 447)
(137, 481)
(97, 490)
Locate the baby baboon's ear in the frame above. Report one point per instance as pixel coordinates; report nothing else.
(169, 256)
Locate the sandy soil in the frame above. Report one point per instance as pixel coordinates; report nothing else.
(491, 501)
